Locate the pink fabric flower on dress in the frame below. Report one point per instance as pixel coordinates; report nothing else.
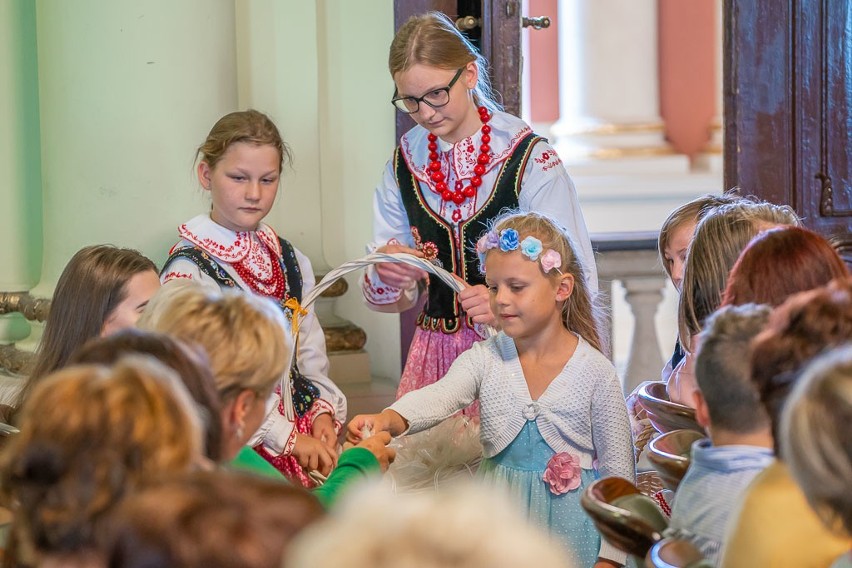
(550, 260)
(562, 473)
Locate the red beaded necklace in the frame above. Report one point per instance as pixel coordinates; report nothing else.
(275, 281)
(460, 195)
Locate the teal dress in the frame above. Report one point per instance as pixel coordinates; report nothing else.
(520, 466)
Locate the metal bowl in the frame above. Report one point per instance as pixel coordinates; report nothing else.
(664, 414)
(629, 520)
(670, 455)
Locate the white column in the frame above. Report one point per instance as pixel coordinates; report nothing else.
(128, 89)
(609, 88)
(20, 191)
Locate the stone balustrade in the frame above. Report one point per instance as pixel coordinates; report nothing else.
(632, 259)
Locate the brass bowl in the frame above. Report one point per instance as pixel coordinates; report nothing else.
(670, 455)
(664, 414)
(629, 520)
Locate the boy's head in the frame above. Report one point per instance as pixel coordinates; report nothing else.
(728, 400)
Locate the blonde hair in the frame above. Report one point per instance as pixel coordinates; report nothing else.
(815, 436)
(248, 126)
(691, 212)
(579, 313)
(719, 239)
(90, 435)
(243, 334)
(467, 526)
(432, 39)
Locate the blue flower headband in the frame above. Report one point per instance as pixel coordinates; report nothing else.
(530, 247)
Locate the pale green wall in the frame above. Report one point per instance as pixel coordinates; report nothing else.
(20, 189)
(127, 90)
(320, 69)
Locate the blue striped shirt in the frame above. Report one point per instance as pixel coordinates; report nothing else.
(710, 492)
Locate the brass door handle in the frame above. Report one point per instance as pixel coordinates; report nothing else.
(536, 23)
(468, 23)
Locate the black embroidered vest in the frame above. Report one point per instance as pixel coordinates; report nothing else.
(442, 310)
(303, 390)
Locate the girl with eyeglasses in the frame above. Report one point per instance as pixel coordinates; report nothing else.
(462, 164)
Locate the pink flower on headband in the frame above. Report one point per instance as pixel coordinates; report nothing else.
(488, 241)
(550, 260)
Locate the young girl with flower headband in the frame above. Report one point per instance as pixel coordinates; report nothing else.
(240, 166)
(462, 164)
(553, 415)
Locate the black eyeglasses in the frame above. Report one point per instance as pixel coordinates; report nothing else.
(435, 99)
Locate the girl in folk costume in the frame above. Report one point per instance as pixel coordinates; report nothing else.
(553, 415)
(462, 164)
(240, 166)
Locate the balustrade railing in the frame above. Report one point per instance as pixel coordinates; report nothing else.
(632, 259)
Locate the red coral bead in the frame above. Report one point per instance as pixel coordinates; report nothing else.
(479, 169)
(486, 129)
(469, 191)
(433, 156)
(441, 186)
(482, 110)
(476, 181)
(485, 148)
(447, 195)
(435, 166)
(437, 176)
(486, 138)
(458, 198)
(431, 137)
(484, 159)
(432, 146)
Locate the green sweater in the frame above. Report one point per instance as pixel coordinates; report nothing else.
(354, 464)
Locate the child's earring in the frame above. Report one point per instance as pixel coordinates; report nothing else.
(239, 431)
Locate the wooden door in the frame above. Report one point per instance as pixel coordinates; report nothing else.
(788, 108)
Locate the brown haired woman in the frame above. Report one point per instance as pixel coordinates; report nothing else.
(103, 289)
(90, 436)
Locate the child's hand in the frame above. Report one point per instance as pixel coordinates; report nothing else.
(476, 302)
(314, 455)
(604, 563)
(388, 421)
(323, 430)
(378, 446)
(398, 275)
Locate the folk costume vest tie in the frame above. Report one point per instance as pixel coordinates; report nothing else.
(434, 236)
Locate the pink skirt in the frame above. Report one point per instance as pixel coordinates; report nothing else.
(430, 356)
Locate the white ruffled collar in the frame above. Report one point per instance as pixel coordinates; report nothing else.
(223, 243)
(506, 132)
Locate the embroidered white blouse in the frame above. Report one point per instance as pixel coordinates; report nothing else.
(276, 433)
(546, 188)
(581, 412)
